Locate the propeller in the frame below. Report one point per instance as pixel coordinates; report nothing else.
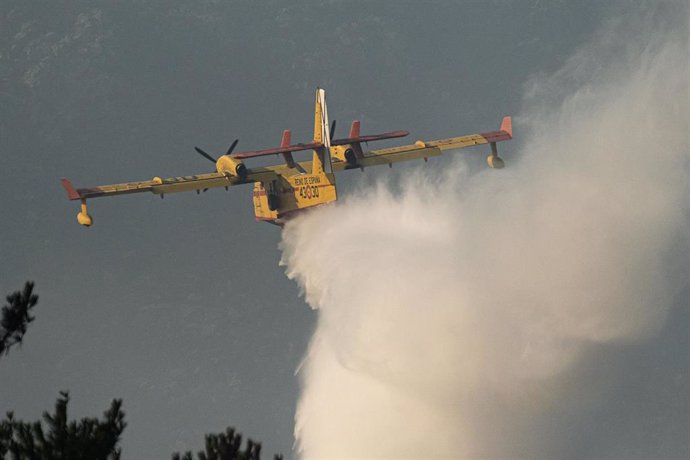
(210, 158)
(332, 129)
(232, 146)
(204, 154)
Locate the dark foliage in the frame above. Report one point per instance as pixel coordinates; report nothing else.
(16, 317)
(226, 446)
(87, 439)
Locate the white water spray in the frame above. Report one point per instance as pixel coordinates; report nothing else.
(457, 317)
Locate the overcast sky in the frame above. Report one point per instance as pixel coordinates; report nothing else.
(179, 306)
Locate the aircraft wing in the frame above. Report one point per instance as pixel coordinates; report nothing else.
(427, 149)
(169, 185)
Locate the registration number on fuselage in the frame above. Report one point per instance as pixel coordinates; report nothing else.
(307, 187)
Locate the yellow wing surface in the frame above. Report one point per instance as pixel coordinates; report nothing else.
(198, 182)
(427, 149)
(157, 185)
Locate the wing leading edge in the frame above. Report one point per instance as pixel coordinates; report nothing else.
(160, 186)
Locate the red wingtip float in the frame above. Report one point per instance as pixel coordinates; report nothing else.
(283, 189)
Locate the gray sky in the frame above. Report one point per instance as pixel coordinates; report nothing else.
(178, 306)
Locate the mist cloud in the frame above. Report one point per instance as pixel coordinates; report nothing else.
(460, 315)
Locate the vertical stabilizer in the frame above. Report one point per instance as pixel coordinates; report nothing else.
(321, 132)
(322, 157)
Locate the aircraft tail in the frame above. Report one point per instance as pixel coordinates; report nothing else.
(322, 158)
(321, 131)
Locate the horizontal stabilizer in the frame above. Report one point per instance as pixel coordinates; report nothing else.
(278, 150)
(373, 137)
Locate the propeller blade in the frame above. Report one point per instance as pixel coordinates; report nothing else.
(332, 129)
(232, 146)
(204, 154)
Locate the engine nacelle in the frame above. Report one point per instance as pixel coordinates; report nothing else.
(229, 165)
(350, 157)
(345, 153)
(495, 162)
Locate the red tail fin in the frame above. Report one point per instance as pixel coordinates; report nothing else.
(285, 142)
(354, 129)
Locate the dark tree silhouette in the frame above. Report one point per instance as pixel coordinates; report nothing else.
(16, 317)
(87, 439)
(226, 446)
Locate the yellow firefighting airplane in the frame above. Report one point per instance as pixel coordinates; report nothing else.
(283, 189)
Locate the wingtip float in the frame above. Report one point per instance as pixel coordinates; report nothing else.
(283, 189)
